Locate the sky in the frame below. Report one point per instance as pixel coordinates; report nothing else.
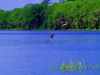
(11, 4)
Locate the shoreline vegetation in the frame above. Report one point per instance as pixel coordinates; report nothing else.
(62, 15)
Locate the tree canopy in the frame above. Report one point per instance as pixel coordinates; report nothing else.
(66, 14)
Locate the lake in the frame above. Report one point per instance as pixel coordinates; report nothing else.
(35, 53)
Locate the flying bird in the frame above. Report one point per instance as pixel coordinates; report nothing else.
(52, 35)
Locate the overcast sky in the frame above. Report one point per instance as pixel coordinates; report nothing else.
(11, 4)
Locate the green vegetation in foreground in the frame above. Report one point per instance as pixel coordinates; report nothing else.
(64, 15)
(78, 67)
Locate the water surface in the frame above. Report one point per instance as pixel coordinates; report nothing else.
(35, 53)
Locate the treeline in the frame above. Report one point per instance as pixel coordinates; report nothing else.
(65, 14)
(28, 18)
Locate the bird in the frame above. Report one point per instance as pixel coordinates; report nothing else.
(52, 35)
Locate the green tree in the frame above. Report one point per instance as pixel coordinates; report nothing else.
(46, 2)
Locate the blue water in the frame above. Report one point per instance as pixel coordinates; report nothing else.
(35, 53)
